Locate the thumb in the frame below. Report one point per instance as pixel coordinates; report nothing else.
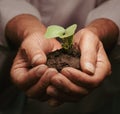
(38, 58)
(88, 48)
(34, 54)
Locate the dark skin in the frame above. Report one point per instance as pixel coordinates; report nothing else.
(30, 73)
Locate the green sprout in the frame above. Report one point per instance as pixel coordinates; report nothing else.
(66, 35)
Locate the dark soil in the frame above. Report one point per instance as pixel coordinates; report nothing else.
(64, 58)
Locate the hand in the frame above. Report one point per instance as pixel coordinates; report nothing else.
(29, 71)
(72, 84)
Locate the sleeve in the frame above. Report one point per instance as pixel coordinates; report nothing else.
(109, 9)
(12, 8)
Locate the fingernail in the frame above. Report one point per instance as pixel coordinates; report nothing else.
(41, 70)
(89, 68)
(52, 91)
(36, 58)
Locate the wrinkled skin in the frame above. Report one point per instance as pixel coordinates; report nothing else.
(30, 73)
(72, 84)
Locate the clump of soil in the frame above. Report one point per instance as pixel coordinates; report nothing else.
(64, 58)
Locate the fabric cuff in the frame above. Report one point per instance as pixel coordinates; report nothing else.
(12, 8)
(107, 10)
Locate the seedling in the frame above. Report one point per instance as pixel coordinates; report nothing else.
(68, 55)
(66, 35)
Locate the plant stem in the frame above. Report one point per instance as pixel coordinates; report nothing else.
(67, 42)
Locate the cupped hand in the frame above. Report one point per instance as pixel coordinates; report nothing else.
(72, 84)
(29, 71)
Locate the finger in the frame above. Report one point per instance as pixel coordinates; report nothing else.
(78, 77)
(65, 85)
(61, 97)
(56, 45)
(36, 46)
(39, 89)
(88, 58)
(34, 54)
(88, 45)
(24, 78)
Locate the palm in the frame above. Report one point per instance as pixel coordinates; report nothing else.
(33, 53)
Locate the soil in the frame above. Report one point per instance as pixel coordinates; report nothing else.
(64, 58)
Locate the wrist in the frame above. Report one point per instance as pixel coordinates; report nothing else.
(22, 26)
(106, 30)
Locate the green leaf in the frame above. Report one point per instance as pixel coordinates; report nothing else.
(66, 35)
(69, 31)
(54, 31)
